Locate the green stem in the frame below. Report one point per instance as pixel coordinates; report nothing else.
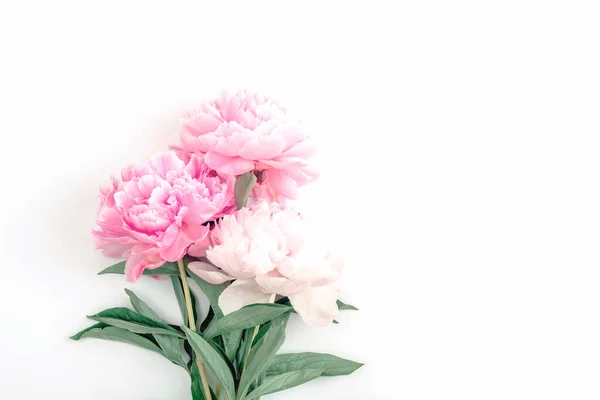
(192, 323)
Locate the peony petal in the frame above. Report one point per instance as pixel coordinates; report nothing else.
(317, 305)
(316, 275)
(195, 144)
(274, 282)
(261, 192)
(162, 163)
(181, 152)
(209, 272)
(227, 260)
(228, 105)
(170, 236)
(266, 127)
(199, 248)
(303, 174)
(262, 147)
(202, 123)
(186, 235)
(241, 293)
(196, 233)
(177, 250)
(110, 247)
(200, 209)
(304, 150)
(288, 164)
(195, 165)
(232, 139)
(136, 263)
(228, 165)
(134, 267)
(280, 183)
(153, 261)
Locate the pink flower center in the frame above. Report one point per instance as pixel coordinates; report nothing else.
(149, 219)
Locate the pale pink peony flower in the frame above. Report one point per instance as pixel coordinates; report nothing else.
(270, 250)
(243, 131)
(154, 212)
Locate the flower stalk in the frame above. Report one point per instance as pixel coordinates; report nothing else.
(192, 324)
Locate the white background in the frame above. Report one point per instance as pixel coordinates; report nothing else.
(459, 150)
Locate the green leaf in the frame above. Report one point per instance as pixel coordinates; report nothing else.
(262, 352)
(196, 387)
(330, 364)
(343, 306)
(242, 351)
(232, 341)
(259, 381)
(167, 268)
(213, 361)
(188, 350)
(211, 291)
(170, 345)
(223, 355)
(195, 307)
(246, 317)
(141, 307)
(261, 332)
(207, 320)
(125, 318)
(260, 338)
(178, 289)
(102, 331)
(80, 334)
(243, 187)
(284, 381)
(197, 393)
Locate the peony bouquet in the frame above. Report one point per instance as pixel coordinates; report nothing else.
(212, 210)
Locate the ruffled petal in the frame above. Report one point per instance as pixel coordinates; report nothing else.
(274, 282)
(209, 272)
(177, 250)
(262, 147)
(199, 248)
(163, 163)
(134, 268)
(317, 272)
(110, 247)
(228, 165)
(231, 139)
(317, 305)
(201, 123)
(280, 183)
(241, 293)
(291, 133)
(137, 263)
(229, 262)
(304, 150)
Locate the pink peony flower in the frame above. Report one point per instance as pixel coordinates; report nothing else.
(154, 212)
(270, 250)
(242, 132)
